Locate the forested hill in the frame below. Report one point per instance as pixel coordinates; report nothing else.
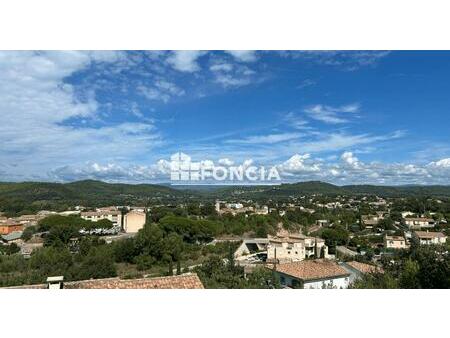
(317, 187)
(40, 195)
(33, 196)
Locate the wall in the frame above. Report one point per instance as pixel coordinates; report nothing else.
(134, 221)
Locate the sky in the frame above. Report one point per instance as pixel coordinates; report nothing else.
(344, 117)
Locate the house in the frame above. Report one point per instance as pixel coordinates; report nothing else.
(10, 226)
(407, 213)
(395, 242)
(28, 219)
(295, 248)
(420, 222)
(184, 281)
(249, 246)
(26, 249)
(94, 216)
(313, 274)
(12, 237)
(343, 251)
(322, 222)
(134, 221)
(358, 269)
(428, 237)
(369, 221)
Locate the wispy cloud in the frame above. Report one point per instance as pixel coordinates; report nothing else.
(243, 55)
(330, 114)
(185, 60)
(161, 90)
(266, 139)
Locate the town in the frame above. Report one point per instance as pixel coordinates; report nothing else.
(227, 239)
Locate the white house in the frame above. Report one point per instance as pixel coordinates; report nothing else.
(420, 222)
(428, 237)
(395, 242)
(295, 248)
(313, 274)
(114, 216)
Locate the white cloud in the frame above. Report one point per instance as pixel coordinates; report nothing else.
(444, 163)
(271, 138)
(329, 114)
(243, 55)
(161, 91)
(185, 60)
(340, 141)
(349, 159)
(112, 172)
(37, 105)
(295, 121)
(299, 164)
(229, 75)
(345, 60)
(221, 67)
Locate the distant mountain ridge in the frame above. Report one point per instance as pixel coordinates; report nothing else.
(97, 192)
(87, 191)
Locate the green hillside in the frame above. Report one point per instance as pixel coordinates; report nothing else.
(27, 197)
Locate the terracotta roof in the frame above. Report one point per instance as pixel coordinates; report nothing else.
(100, 213)
(426, 234)
(364, 268)
(10, 222)
(312, 269)
(186, 281)
(395, 238)
(419, 219)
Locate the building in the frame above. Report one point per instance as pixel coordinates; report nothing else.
(185, 281)
(369, 221)
(12, 237)
(295, 248)
(94, 216)
(322, 222)
(313, 274)
(420, 222)
(134, 221)
(250, 246)
(10, 226)
(343, 251)
(395, 242)
(357, 269)
(428, 237)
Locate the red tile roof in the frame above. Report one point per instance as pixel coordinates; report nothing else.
(364, 268)
(186, 281)
(312, 269)
(426, 234)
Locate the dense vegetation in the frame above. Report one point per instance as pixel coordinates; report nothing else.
(29, 197)
(421, 267)
(171, 242)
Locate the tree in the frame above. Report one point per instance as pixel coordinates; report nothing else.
(262, 278)
(98, 263)
(409, 277)
(28, 233)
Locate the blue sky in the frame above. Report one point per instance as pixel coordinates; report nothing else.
(338, 116)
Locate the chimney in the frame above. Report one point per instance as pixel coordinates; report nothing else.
(55, 282)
